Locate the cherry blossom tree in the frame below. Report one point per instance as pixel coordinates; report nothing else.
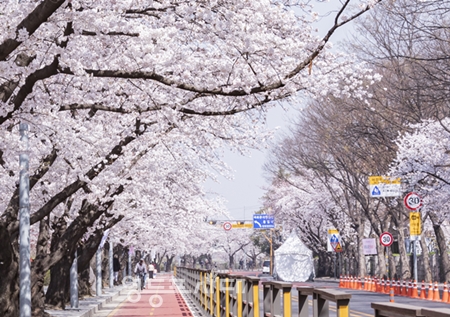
(111, 87)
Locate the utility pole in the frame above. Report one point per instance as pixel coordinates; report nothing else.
(24, 226)
(270, 240)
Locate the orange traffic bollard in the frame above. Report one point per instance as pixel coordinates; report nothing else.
(414, 293)
(404, 290)
(436, 295)
(359, 284)
(398, 288)
(430, 291)
(445, 293)
(391, 294)
(423, 294)
(410, 288)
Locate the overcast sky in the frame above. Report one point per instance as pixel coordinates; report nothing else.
(243, 193)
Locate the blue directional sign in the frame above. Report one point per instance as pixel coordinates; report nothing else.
(263, 221)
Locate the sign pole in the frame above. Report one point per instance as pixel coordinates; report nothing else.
(335, 266)
(415, 258)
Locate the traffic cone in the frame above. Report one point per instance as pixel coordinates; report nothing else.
(423, 291)
(354, 282)
(436, 295)
(359, 285)
(430, 292)
(415, 293)
(409, 289)
(404, 290)
(341, 281)
(345, 281)
(365, 283)
(391, 294)
(445, 293)
(350, 282)
(374, 284)
(389, 284)
(448, 294)
(381, 286)
(398, 287)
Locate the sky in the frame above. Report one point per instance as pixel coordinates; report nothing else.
(244, 192)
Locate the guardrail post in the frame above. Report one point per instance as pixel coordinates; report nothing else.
(323, 296)
(320, 306)
(303, 293)
(267, 299)
(217, 297)
(227, 297)
(211, 294)
(251, 302)
(287, 304)
(239, 298)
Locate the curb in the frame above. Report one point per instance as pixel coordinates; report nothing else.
(90, 306)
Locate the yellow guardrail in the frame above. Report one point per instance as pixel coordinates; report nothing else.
(228, 295)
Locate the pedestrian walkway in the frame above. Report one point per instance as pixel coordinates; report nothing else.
(161, 297)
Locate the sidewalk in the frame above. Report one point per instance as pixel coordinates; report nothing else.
(89, 306)
(161, 297)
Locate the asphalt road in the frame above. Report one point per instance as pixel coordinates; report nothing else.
(360, 303)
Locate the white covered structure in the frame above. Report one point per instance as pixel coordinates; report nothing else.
(294, 261)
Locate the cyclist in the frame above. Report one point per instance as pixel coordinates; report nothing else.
(141, 271)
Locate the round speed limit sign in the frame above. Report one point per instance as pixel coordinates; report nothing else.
(412, 201)
(386, 239)
(227, 226)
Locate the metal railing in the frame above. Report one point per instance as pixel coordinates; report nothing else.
(228, 295)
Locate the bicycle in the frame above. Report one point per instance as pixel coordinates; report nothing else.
(141, 280)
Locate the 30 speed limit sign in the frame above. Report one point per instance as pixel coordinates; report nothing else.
(412, 201)
(227, 226)
(386, 239)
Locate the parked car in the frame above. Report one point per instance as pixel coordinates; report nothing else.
(266, 267)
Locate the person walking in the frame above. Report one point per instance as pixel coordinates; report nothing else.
(151, 269)
(116, 269)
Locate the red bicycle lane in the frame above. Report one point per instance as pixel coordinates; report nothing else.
(160, 298)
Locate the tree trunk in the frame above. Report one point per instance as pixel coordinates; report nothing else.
(361, 257)
(392, 265)
(38, 271)
(9, 272)
(325, 265)
(58, 291)
(426, 260)
(405, 265)
(381, 272)
(169, 261)
(84, 285)
(444, 263)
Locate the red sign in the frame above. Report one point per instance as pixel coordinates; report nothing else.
(386, 239)
(227, 226)
(412, 201)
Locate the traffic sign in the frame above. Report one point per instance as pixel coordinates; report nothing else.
(386, 239)
(334, 241)
(227, 226)
(415, 224)
(383, 186)
(263, 221)
(412, 201)
(338, 247)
